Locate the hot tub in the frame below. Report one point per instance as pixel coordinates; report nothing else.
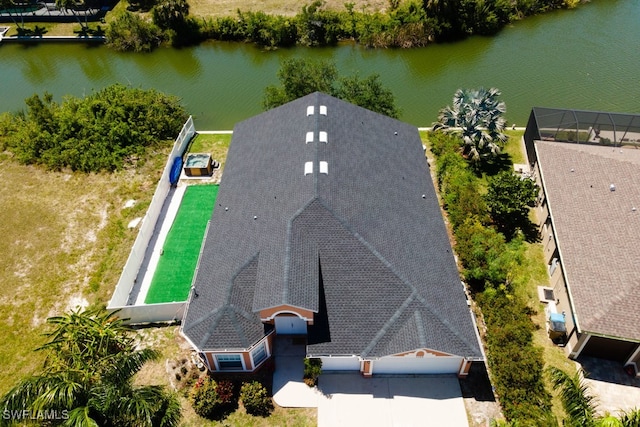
(198, 164)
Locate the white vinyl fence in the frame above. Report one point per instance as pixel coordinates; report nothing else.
(152, 312)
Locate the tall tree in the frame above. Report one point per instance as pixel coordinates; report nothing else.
(369, 93)
(475, 115)
(74, 6)
(91, 358)
(170, 14)
(11, 8)
(509, 198)
(299, 77)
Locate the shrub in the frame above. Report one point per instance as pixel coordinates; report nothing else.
(255, 399)
(129, 32)
(213, 400)
(312, 370)
(99, 132)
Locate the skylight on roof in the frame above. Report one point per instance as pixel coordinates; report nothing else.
(324, 168)
(310, 110)
(309, 137)
(323, 110)
(323, 136)
(308, 168)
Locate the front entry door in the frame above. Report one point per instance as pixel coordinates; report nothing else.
(290, 325)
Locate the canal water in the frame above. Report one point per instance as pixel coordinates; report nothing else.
(587, 58)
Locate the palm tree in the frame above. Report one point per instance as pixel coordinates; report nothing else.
(90, 363)
(580, 405)
(475, 115)
(74, 5)
(10, 7)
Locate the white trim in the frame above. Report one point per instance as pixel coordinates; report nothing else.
(266, 319)
(633, 356)
(323, 110)
(310, 110)
(576, 352)
(309, 137)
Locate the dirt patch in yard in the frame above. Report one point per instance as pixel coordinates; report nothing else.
(209, 8)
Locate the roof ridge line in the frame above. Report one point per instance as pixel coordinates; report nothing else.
(420, 326)
(393, 319)
(287, 255)
(445, 322)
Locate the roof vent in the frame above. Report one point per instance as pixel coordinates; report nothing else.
(323, 110)
(612, 187)
(324, 168)
(308, 168)
(310, 110)
(309, 137)
(323, 137)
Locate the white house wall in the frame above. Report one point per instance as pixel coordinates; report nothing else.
(348, 363)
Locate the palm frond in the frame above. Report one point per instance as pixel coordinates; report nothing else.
(79, 417)
(578, 403)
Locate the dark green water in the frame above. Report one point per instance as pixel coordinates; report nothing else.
(588, 58)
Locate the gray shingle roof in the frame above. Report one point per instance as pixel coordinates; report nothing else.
(363, 246)
(597, 231)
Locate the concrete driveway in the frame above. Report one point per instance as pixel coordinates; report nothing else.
(352, 400)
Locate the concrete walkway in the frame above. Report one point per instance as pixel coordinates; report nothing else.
(289, 390)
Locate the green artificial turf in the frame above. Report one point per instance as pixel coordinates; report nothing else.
(174, 273)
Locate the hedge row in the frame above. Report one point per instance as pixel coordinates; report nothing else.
(516, 364)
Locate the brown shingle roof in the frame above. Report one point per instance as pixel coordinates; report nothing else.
(597, 230)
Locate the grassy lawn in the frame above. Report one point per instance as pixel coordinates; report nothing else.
(54, 28)
(215, 144)
(210, 8)
(65, 241)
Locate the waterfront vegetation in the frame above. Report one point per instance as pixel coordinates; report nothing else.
(411, 23)
(146, 24)
(106, 130)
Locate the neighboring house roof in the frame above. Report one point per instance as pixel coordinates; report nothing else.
(597, 231)
(364, 245)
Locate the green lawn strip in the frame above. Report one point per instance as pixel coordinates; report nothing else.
(174, 273)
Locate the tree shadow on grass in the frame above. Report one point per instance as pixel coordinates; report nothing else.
(37, 31)
(494, 165)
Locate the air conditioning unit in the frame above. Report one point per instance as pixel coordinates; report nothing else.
(546, 294)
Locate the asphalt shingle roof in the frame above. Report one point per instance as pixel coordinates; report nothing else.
(597, 231)
(363, 246)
